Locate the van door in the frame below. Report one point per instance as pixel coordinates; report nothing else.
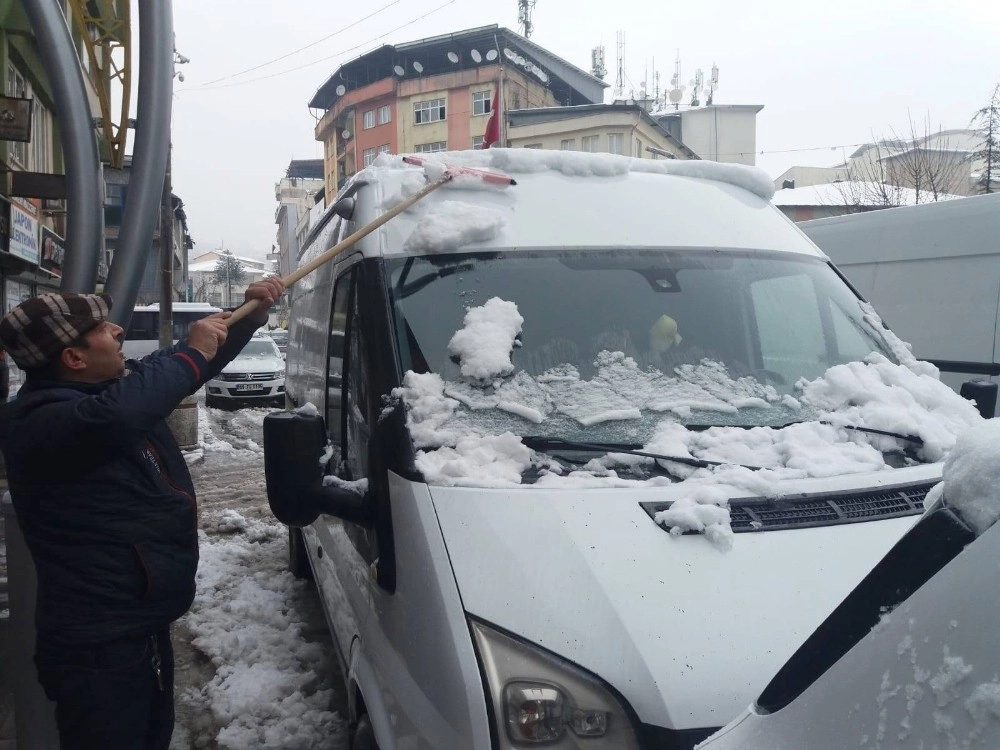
(341, 551)
(413, 659)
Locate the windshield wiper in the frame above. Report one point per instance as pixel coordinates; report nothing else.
(871, 430)
(549, 444)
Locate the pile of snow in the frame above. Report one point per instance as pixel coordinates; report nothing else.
(483, 345)
(271, 685)
(450, 225)
(972, 475)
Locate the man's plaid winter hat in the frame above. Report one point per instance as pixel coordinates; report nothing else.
(41, 327)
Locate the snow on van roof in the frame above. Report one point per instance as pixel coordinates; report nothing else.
(583, 164)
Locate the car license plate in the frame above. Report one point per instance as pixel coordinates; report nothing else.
(250, 387)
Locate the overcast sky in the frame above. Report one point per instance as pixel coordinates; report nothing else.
(828, 74)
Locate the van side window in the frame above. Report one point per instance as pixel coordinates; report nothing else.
(356, 404)
(335, 363)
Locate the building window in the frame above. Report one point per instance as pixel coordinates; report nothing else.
(384, 114)
(616, 143)
(384, 148)
(369, 120)
(638, 149)
(477, 142)
(590, 143)
(430, 148)
(568, 145)
(482, 103)
(114, 195)
(369, 156)
(16, 87)
(41, 137)
(432, 111)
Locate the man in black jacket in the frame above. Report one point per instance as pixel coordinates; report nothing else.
(107, 506)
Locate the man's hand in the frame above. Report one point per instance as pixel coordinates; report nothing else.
(266, 291)
(208, 334)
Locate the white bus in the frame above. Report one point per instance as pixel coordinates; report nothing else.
(143, 334)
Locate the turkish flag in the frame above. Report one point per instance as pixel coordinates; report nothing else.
(492, 134)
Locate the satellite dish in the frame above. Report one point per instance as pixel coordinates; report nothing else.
(476, 56)
(509, 54)
(491, 55)
(399, 70)
(675, 95)
(341, 90)
(543, 76)
(345, 134)
(418, 67)
(453, 57)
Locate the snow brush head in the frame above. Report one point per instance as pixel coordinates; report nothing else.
(465, 178)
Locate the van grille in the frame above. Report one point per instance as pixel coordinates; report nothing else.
(820, 509)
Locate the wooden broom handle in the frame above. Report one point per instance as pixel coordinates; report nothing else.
(248, 307)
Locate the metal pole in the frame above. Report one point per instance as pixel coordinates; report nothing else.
(149, 161)
(79, 143)
(166, 260)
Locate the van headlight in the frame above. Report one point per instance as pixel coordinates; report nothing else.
(542, 700)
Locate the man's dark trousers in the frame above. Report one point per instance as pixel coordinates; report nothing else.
(109, 695)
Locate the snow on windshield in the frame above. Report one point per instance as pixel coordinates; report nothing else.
(462, 428)
(483, 345)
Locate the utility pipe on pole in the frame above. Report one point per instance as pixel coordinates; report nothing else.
(84, 191)
(149, 161)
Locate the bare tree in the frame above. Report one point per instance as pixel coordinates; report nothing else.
(929, 166)
(924, 162)
(869, 184)
(987, 122)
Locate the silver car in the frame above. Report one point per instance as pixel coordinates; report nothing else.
(257, 375)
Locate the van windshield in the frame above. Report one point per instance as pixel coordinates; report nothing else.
(611, 343)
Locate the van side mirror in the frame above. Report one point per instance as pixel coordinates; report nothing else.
(293, 445)
(984, 393)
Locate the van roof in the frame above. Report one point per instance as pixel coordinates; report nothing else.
(567, 199)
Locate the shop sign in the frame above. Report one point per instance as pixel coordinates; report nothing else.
(53, 251)
(23, 232)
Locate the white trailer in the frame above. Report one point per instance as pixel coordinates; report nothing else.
(933, 273)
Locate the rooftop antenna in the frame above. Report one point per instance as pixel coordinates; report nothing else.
(597, 62)
(620, 80)
(696, 84)
(713, 84)
(524, 8)
(676, 89)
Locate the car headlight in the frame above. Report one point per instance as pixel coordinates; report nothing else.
(542, 700)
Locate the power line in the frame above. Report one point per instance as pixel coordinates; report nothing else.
(302, 49)
(206, 87)
(795, 150)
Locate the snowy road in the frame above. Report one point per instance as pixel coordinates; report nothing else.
(255, 665)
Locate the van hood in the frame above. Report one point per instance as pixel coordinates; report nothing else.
(687, 633)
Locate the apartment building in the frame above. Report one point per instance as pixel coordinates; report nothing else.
(437, 94)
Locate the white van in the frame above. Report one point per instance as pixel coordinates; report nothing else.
(581, 462)
(143, 334)
(933, 272)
